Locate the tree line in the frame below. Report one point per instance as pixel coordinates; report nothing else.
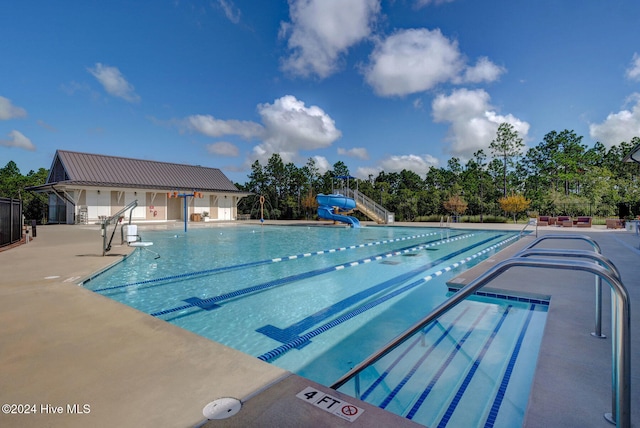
(559, 176)
(13, 184)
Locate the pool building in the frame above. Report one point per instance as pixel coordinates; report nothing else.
(85, 188)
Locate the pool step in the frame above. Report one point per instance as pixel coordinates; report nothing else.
(472, 349)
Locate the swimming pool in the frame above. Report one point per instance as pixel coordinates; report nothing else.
(317, 300)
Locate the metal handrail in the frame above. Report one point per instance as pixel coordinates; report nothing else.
(532, 221)
(605, 262)
(586, 238)
(378, 210)
(114, 218)
(621, 365)
(598, 289)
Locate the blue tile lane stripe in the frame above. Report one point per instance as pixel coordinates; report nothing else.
(268, 356)
(395, 362)
(424, 356)
(260, 262)
(429, 388)
(467, 380)
(290, 333)
(297, 277)
(497, 402)
(494, 295)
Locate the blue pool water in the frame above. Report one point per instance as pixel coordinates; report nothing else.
(317, 300)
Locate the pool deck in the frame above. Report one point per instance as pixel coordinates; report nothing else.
(80, 359)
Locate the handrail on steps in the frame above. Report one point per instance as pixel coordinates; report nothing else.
(598, 302)
(531, 222)
(621, 355)
(448, 224)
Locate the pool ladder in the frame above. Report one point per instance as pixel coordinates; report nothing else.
(620, 414)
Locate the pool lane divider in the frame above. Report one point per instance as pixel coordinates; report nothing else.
(300, 341)
(262, 262)
(212, 302)
(292, 332)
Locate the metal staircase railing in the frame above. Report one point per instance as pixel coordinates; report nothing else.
(368, 207)
(621, 351)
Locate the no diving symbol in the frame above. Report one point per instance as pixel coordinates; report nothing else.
(349, 410)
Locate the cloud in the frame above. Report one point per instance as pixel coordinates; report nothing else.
(418, 164)
(114, 83)
(212, 127)
(356, 152)
(322, 164)
(483, 71)
(223, 148)
(417, 60)
(321, 31)
(288, 126)
(474, 122)
(18, 140)
(41, 123)
(291, 126)
(423, 3)
(396, 163)
(9, 111)
(633, 72)
(230, 10)
(620, 126)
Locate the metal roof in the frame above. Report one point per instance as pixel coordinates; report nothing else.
(632, 155)
(100, 170)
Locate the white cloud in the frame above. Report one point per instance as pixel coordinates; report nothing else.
(321, 31)
(620, 126)
(473, 121)
(483, 71)
(423, 3)
(212, 127)
(18, 140)
(223, 148)
(230, 10)
(417, 60)
(9, 111)
(418, 164)
(396, 163)
(412, 61)
(288, 126)
(114, 82)
(322, 164)
(356, 152)
(633, 72)
(291, 126)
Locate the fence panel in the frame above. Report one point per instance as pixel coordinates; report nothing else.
(10, 221)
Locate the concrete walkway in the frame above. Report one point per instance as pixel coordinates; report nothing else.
(72, 357)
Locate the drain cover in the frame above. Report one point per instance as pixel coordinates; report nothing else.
(222, 408)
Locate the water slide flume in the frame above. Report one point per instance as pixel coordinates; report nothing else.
(329, 205)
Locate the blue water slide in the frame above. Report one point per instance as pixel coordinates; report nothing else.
(327, 204)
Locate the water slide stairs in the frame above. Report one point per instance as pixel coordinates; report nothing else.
(368, 207)
(458, 369)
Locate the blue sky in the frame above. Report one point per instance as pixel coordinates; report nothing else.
(377, 84)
